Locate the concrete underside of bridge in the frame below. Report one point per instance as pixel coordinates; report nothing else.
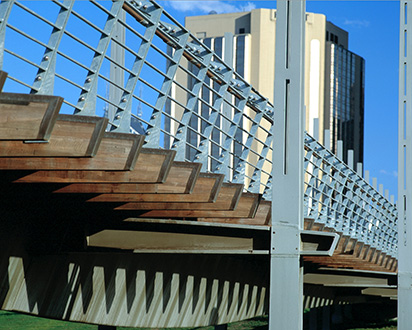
(96, 228)
(56, 262)
(160, 289)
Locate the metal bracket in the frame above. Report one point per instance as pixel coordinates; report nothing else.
(318, 243)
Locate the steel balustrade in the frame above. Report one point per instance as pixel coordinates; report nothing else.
(173, 88)
(339, 198)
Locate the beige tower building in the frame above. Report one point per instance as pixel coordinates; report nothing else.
(334, 76)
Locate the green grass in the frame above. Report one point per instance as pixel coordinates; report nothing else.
(16, 321)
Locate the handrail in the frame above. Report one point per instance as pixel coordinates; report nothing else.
(134, 63)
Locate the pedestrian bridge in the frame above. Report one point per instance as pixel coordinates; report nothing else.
(136, 171)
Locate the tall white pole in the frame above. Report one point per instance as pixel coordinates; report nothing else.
(286, 277)
(405, 169)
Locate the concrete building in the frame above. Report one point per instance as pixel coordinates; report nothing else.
(334, 76)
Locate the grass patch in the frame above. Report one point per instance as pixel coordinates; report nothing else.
(17, 321)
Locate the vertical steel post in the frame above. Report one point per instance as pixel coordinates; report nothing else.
(122, 118)
(202, 155)
(231, 133)
(404, 168)
(155, 123)
(286, 273)
(116, 72)
(86, 105)
(255, 181)
(5, 9)
(44, 81)
(228, 57)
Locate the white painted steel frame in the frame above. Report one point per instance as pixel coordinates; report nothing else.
(5, 9)
(286, 271)
(404, 168)
(340, 198)
(335, 195)
(44, 81)
(86, 104)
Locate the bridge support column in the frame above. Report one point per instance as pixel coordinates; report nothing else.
(405, 168)
(286, 278)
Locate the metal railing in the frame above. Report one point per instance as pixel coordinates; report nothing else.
(134, 63)
(339, 198)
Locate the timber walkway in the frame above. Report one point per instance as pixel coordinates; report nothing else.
(172, 226)
(97, 228)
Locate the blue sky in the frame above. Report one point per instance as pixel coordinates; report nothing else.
(373, 34)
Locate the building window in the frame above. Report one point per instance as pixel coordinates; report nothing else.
(218, 46)
(241, 30)
(201, 35)
(240, 55)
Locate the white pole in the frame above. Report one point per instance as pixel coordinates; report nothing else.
(286, 273)
(404, 168)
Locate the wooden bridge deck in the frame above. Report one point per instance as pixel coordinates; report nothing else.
(97, 228)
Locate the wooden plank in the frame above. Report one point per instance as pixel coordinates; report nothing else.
(206, 188)
(72, 136)
(28, 116)
(182, 173)
(316, 226)
(152, 165)
(381, 259)
(117, 188)
(227, 199)
(376, 257)
(358, 248)
(198, 224)
(147, 241)
(393, 264)
(123, 147)
(3, 77)
(350, 244)
(340, 262)
(262, 217)
(348, 261)
(217, 185)
(363, 251)
(371, 255)
(350, 279)
(246, 207)
(308, 223)
(117, 151)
